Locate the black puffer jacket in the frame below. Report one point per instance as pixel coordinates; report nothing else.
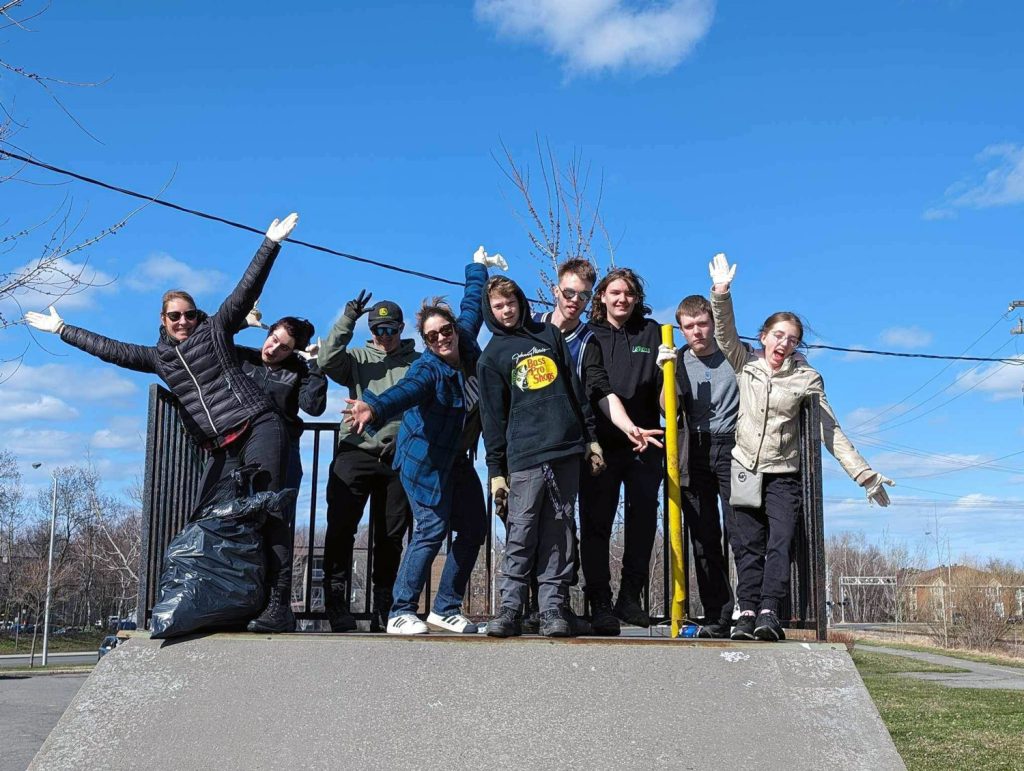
(293, 385)
(203, 370)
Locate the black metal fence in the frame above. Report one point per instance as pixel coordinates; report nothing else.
(173, 468)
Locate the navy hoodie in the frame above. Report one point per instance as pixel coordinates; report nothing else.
(531, 401)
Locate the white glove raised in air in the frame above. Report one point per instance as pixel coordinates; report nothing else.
(279, 230)
(721, 272)
(489, 260)
(255, 317)
(666, 353)
(45, 322)
(873, 482)
(311, 351)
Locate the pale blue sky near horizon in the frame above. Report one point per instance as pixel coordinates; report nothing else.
(864, 166)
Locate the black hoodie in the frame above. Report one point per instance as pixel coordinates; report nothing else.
(532, 405)
(630, 357)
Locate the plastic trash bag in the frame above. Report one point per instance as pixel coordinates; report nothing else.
(214, 569)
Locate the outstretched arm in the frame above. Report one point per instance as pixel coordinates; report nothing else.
(140, 358)
(417, 385)
(334, 357)
(726, 336)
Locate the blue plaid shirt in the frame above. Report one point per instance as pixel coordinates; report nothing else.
(432, 398)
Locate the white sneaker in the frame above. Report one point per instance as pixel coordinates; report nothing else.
(455, 622)
(407, 623)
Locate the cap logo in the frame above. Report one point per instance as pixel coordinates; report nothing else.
(382, 312)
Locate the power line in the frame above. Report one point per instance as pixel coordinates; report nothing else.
(398, 269)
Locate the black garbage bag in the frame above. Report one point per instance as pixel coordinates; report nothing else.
(214, 569)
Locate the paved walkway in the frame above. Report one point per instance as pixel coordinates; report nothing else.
(978, 675)
(30, 705)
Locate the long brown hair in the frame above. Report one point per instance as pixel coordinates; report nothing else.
(597, 310)
(778, 316)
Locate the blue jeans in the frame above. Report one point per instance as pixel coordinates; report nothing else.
(460, 509)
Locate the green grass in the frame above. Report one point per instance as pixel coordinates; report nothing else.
(981, 658)
(85, 641)
(936, 727)
(53, 669)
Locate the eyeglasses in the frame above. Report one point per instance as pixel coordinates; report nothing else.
(585, 295)
(434, 335)
(789, 340)
(175, 315)
(385, 331)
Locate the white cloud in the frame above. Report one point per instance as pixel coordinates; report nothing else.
(161, 271)
(28, 405)
(596, 36)
(1000, 380)
(1001, 183)
(58, 277)
(906, 337)
(854, 356)
(79, 383)
(123, 433)
(46, 445)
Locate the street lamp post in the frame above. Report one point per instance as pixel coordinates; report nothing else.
(49, 569)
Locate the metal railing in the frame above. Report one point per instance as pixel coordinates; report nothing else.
(174, 465)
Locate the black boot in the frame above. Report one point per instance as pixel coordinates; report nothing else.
(577, 626)
(602, 620)
(628, 608)
(336, 605)
(277, 616)
(382, 602)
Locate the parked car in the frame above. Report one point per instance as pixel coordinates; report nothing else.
(108, 644)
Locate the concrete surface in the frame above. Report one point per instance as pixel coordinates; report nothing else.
(30, 706)
(978, 675)
(330, 701)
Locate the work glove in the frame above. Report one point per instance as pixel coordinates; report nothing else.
(721, 272)
(279, 230)
(357, 307)
(666, 353)
(255, 317)
(499, 494)
(489, 260)
(45, 323)
(595, 457)
(873, 482)
(311, 351)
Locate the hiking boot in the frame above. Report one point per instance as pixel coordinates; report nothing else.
(578, 627)
(768, 627)
(531, 622)
(602, 620)
(744, 628)
(716, 631)
(453, 622)
(628, 608)
(508, 623)
(554, 624)
(406, 623)
(337, 609)
(277, 616)
(382, 601)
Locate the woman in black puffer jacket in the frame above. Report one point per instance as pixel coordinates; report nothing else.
(225, 411)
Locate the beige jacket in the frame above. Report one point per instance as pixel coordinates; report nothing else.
(768, 424)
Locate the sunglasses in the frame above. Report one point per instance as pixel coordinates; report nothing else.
(585, 295)
(434, 335)
(175, 315)
(385, 331)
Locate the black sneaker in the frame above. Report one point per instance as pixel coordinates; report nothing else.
(578, 627)
(744, 628)
(768, 627)
(554, 624)
(338, 614)
(628, 608)
(716, 631)
(602, 621)
(531, 622)
(277, 616)
(508, 623)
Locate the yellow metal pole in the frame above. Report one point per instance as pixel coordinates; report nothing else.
(675, 517)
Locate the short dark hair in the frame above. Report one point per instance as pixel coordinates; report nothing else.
(582, 269)
(301, 330)
(506, 287)
(694, 305)
(597, 310)
(434, 306)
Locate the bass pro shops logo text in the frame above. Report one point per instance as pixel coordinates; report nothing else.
(534, 373)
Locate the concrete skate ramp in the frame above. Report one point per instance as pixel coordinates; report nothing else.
(332, 701)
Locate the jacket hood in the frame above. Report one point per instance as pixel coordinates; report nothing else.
(163, 337)
(525, 316)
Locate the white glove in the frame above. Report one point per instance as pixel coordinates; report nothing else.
(255, 317)
(45, 323)
(488, 260)
(279, 230)
(666, 353)
(873, 482)
(721, 271)
(311, 351)
(595, 457)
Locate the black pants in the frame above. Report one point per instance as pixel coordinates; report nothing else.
(761, 540)
(355, 475)
(641, 475)
(265, 442)
(710, 462)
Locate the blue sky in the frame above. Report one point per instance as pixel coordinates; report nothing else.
(863, 165)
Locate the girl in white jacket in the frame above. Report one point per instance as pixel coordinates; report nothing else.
(766, 491)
